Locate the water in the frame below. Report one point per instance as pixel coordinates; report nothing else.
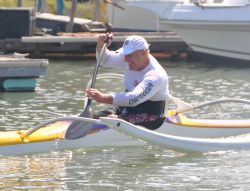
(126, 168)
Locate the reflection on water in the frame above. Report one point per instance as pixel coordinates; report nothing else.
(34, 172)
(125, 168)
(129, 168)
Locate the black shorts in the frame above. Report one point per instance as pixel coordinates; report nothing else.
(149, 114)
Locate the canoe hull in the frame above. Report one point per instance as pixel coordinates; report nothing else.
(104, 138)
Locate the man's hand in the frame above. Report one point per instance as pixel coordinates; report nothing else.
(103, 38)
(99, 96)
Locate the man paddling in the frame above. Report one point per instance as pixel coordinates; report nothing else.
(146, 84)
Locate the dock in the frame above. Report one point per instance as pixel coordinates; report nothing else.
(85, 43)
(18, 73)
(44, 34)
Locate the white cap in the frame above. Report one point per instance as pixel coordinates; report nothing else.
(134, 43)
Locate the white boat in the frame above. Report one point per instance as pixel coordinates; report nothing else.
(133, 15)
(219, 33)
(141, 15)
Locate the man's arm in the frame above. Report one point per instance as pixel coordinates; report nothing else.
(150, 88)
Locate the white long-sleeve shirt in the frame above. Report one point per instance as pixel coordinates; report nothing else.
(151, 83)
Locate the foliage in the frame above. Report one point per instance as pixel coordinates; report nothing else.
(84, 9)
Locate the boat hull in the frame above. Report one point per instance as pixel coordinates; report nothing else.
(222, 31)
(50, 137)
(106, 138)
(146, 20)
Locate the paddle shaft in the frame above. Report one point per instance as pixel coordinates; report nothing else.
(87, 110)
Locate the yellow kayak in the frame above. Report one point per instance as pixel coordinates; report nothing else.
(50, 132)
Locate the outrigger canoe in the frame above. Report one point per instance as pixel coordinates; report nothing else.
(177, 132)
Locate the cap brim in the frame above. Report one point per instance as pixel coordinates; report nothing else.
(126, 51)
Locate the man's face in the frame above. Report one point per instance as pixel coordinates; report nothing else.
(135, 60)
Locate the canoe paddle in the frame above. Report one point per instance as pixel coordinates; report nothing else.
(80, 129)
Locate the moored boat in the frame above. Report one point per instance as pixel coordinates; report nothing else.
(122, 13)
(18, 73)
(219, 33)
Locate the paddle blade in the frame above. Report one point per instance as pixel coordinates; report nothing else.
(78, 130)
(85, 126)
(87, 112)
